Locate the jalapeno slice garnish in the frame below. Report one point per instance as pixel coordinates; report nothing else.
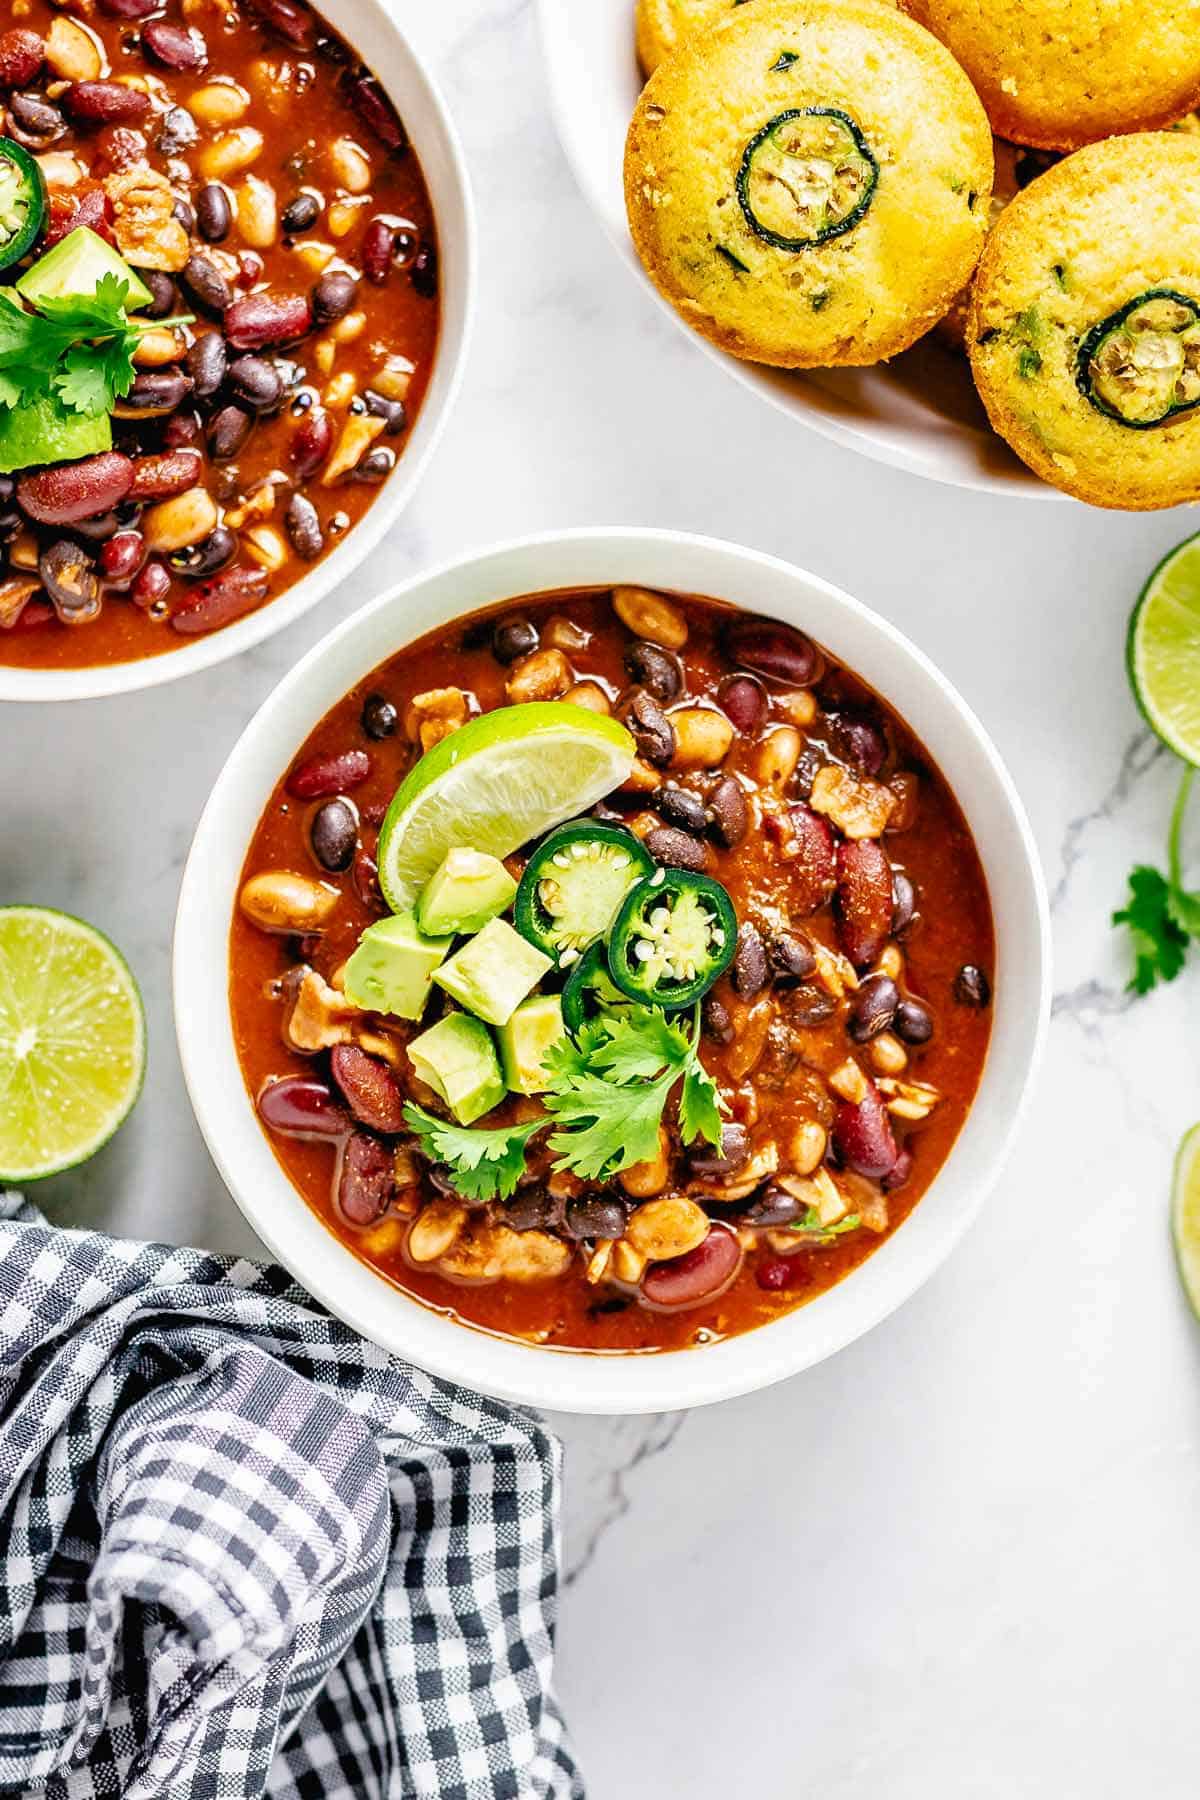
(674, 935)
(1141, 365)
(807, 176)
(590, 990)
(573, 884)
(22, 201)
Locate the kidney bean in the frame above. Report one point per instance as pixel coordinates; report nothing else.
(772, 1205)
(163, 473)
(69, 577)
(302, 522)
(178, 131)
(128, 9)
(66, 492)
(813, 869)
(301, 213)
(775, 651)
(677, 849)
(972, 987)
(122, 556)
(256, 321)
(701, 1275)
(221, 599)
(862, 1135)
(105, 103)
(533, 1208)
(659, 671)
(652, 731)
(365, 1179)
(300, 1106)
(376, 251)
(424, 272)
(158, 390)
(364, 874)
(339, 772)
(376, 112)
(730, 815)
(392, 412)
(30, 614)
(899, 1172)
(858, 741)
(287, 17)
(212, 553)
(333, 835)
(913, 1022)
(21, 54)
(256, 383)
(781, 1272)
(35, 123)
(174, 46)
(809, 1005)
(214, 215)
(512, 639)
(717, 1023)
(750, 974)
(227, 432)
(311, 443)
(206, 364)
(732, 1154)
(119, 147)
(863, 903)
(333, 296)
(744, 703)
(904, 902)
(369, 1087)
(150, 585)
(679, 806)
(791, 957)
(596, 1216)
(872, 1008)
(206, 285)
(379, 717)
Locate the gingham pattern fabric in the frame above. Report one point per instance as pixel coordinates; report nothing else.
(245, 1553)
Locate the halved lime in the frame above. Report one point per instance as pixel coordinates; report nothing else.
(500, 780)
(1185, 1215)
(1162, 651)
(72, 1041)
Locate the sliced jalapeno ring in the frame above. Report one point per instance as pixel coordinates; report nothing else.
(573, 884)
(1141, 365)
(590, 990)
(674, 935)
(22, 201)
(807, 176)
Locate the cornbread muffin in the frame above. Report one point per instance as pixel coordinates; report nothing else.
(1084, 324)
(1061, 73)
(1015, 169)
(662, 25)
(807, 183)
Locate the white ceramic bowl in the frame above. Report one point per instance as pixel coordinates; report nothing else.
(919, 412)
(371, 27)
(568, 1380)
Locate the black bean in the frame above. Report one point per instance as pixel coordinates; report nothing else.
(10, 525)
(904, 901)
(809, 1005)
(858, 741)
(424, 272)
(178, 132)
(750, 972)
(163, 289)
(206, 557)
(791, 957)
(679, 806)
(256, 383)
(678, 849)
(302, 522)
(512, 639)
(205, 283)
(595, 1216)
(655, 669)
(772, 1205)
(717, 1023)
(158, 390)
(730, 815)
(8, 487)
(379, 717)
(183, 213)
(333, 296)
(872, 1008)
(300, 213)
(651, 729)
(913, 1022)
(972, 987)
(69, 577)
(392, 412)
(375, 466)
(707, 1159)
(207, 360)
(214, 215)
(534, 1208)
(333, 835)
(36, 118)
(228, 432)
(99, 529)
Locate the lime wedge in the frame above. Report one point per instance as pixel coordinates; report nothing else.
(1185, 1215)
(500, 780)
(72, 1042)
(1162, 650)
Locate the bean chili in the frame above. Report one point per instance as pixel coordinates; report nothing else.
(243, 162)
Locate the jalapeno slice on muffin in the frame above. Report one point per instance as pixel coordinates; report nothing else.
(1141, 364)
(807, 176)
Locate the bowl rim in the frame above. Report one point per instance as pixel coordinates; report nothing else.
(831, 415)
(564, 1380)
(438, 148)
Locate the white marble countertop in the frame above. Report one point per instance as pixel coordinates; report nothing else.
(961, 1559)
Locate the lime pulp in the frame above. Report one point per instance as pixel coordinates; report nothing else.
(1185, 1215)
(1163, 650)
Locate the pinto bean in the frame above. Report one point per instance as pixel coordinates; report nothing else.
(69, 577)
(863, 902)
(300, 1106)
(873, 1008)
(750, 972)
(221, 599)
(376, 112)
(256, 321)
(365, 1179)
(744, 702)
(163, 473)
(278, 900)
(659, 671)
(773, 650)
(730, 815)
(311, 443)
(320, 776)
(105, 103)
(862, 1135)
(67, 492)
(813, 868)
(369, 1087)
(21, 55)
(700, 1275)
(174, 46)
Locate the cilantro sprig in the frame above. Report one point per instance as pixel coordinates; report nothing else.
(78, 347)
(608, 1088)
(1161, 914)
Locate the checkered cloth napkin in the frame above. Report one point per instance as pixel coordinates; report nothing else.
(243, 1553)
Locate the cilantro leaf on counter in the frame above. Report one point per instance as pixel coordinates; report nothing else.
(1160, 914)
(486, 1164)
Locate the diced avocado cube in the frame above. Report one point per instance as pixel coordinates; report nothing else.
(493, 972)
(524, 1041)
(45, 431)
(457, 1059)
(76, 265)
(467, 890)
(392, 968)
